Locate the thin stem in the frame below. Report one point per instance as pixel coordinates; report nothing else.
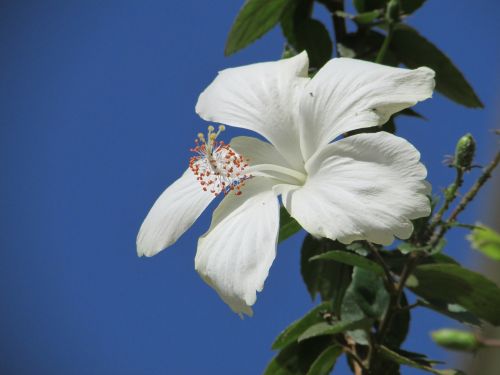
(385, 45)
(387, 271)
(450, 194)
(395, 302)
(467, 198)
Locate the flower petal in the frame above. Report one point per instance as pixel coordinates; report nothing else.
(349, 94)
(261, 97)
(367, 186)
(235, 255)
(265, 160)
(172, 214)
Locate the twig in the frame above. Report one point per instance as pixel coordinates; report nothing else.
(385, 45)
(387, 271)
(466, 199)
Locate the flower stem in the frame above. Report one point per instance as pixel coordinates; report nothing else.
(385, 46)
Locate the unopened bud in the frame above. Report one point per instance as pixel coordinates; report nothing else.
(456, 340)
(392, 13)
(464, 152)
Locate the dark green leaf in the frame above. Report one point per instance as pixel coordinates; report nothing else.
(255, 19)
(288, 225)
(297, 358)
(402, 360)
(312, 36)
(411, 113)
(304, 33)
(365, 297)
(364, 45)
(350, 259)
(414, 51)
(368, 5)
(367, 291)
(294, 330)
(327, 329)
(487, 241)
(323, 365)
(398, 330)
(452, 311)
(409, 6)
(453, 284)
(329, 279)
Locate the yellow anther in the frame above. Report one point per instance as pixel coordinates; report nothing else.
(201, 136)
(212, 136)
(211, 128)
(222, 128)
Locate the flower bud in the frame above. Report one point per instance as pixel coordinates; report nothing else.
(456, 340)
(392, 13)
(464, 152)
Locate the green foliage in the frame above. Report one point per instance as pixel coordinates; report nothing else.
(304, 33)
(298, 358)
(412, 362)
(323, 365)
(413, 50)
(457, 285)
(294, 330)
(368, 5)
(350, 259)
(410, 6)
(255, 19)
(328, 279)
(328, 329)
(487, 241)
(288, 225)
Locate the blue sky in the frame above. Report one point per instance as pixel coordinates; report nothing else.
(97, 118)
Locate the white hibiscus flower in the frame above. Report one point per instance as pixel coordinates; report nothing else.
(366, 186)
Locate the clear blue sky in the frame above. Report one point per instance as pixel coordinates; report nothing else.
(96, 119)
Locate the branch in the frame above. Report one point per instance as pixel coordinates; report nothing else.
(467, 198)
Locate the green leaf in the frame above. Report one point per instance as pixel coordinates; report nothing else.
(327, 329)
(304, 33)
(350, 259)
(409, 6)
(294, 330)
(413, 50)
(312, 36)
(298, 358)
(453, 284)
(487, 241)
(329, 279)
(368, 5)
(323, 365)
(288, 225)
(255, 18)
(452, 311)
(402, 360)
(410, 112)
(368, 293)
(365, 297)
(400, 326)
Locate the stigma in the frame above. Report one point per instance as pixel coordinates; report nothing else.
(217, 167)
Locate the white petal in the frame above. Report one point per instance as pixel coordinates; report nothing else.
(265, 160)
(172, 214)
(368, 186)
(349, 94)
(235, 255)
(261, 97)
